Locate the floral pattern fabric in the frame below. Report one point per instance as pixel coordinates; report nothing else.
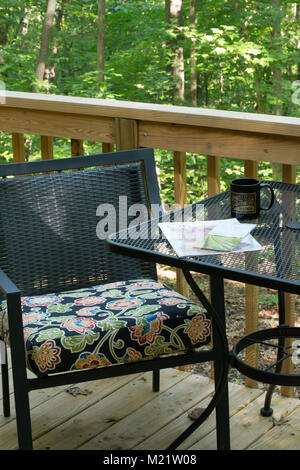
(107, 324)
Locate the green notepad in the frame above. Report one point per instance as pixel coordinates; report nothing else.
(226, 235)
(220, 243)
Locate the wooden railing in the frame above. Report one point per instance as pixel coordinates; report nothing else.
(124, 125)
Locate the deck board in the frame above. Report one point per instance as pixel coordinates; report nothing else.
(124, 413)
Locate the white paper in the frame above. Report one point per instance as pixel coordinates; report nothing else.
(232, 227)
(186, 238)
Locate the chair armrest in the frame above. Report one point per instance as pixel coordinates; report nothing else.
(14, 310)
(6, 285)
(13, 301)
(16, 332)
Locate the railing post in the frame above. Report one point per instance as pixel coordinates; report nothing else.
(289, 176)
(126, 134)
(251, 297)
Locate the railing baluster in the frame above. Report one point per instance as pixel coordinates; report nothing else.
(213, 175)
(213, 187)
(251, 297)
(289, 176)
(46, 147)
(77, 147)
(18, 147)
(107, 147)
(180, 199)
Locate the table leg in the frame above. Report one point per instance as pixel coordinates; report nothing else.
(222, 408)
(216, 309)
(267, 410)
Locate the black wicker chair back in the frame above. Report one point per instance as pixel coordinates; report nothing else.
(48, 235)
(52, 225)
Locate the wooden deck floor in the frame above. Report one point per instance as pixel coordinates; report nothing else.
(123, 413)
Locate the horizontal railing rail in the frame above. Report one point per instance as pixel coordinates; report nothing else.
(124, 125)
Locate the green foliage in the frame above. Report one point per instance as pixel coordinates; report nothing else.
(238, 51)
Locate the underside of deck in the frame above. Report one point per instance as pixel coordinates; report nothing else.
(124, 413)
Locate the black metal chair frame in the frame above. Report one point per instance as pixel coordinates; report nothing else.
(22, 384)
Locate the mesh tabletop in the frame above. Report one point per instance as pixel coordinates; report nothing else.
(276, 265)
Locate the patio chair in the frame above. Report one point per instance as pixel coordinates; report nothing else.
(72, 311)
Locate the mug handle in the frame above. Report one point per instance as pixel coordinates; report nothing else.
(266, 185)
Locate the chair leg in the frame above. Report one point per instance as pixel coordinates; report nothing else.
(19, 370)
(21, 393)
(23, 418)
(5, 390)
(156, 380)
(5, 382)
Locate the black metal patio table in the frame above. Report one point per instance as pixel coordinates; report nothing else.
(275, 266)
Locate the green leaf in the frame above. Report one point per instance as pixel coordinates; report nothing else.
(78, 343)
(117, 293)
(143, 310)
(59, 308)
(51, 333)
(78, 294)
(111, 324)
(158, 347)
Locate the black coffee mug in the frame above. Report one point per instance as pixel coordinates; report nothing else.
(245, 198)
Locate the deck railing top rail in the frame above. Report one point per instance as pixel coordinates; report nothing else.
(212, 118)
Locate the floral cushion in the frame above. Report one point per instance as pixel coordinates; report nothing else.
(107, 324)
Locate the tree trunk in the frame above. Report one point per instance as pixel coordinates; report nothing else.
(25, 21)
(193, 63)
(24, 26)
(297, 17)
(260, 97)
(174, 18)
(59, 19)
(4, 26)
(100, 40)
(277, 74)
(46, 36)
(3, 38)
(276, 46)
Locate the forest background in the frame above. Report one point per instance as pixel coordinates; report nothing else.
(237, 55)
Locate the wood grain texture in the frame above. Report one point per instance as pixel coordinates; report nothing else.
(213, 175)
(289, 176)
(46, 147)
(57, 124)
(220, 142)
(77, 148)
(126, 131)
(180, 191)
(250, 122)
(251, 297)
(116, 410)
(18, 147)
